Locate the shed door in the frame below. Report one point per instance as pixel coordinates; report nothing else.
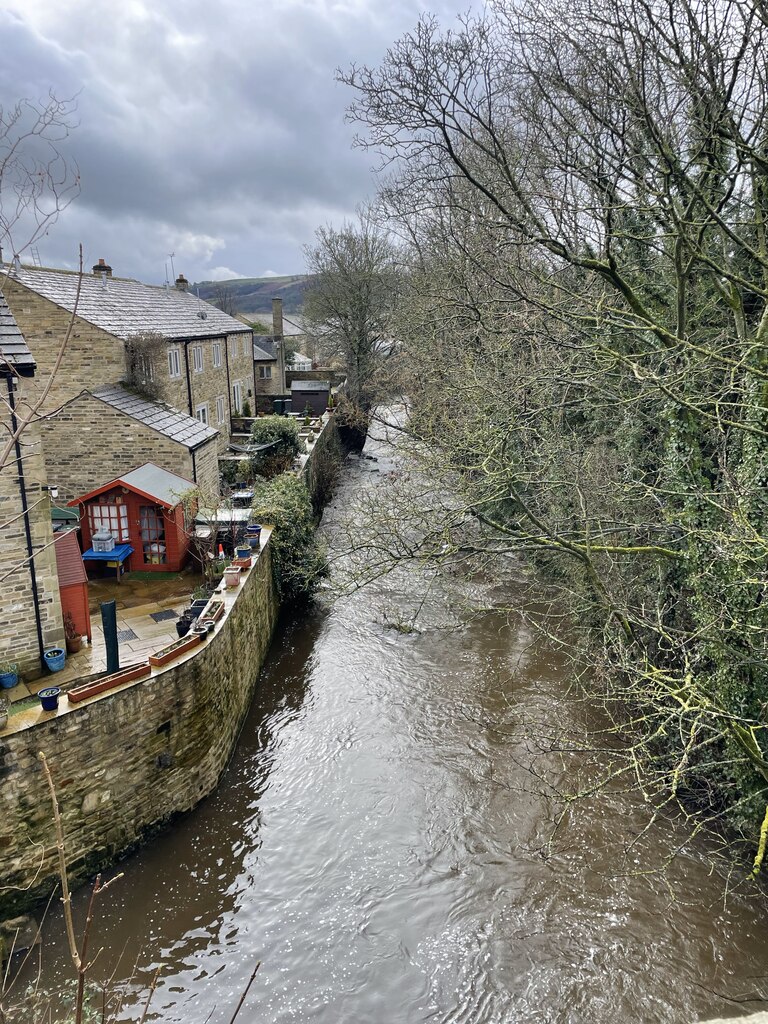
(152, 530)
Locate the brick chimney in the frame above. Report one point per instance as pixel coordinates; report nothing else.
(277, 317)
(182, 283)
(102, 269)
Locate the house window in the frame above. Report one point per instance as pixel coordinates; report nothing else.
(233, 347)
(220, 410)
(113, 518)
(237, 396)
(201, 412)
(197, 358)
(265, 372)
(247, 345)
(217, 353)
(174, 364)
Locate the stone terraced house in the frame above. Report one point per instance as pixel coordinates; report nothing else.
(30, 608)
(160, 346)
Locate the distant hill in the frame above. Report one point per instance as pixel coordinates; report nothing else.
(255, 294)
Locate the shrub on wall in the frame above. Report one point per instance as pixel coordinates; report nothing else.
(285, 432)
(298, 558)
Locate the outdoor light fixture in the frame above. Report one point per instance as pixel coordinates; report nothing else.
(53, 491)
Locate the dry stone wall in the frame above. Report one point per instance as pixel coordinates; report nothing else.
(127, 762)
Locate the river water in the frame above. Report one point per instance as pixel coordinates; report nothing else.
(380, 844)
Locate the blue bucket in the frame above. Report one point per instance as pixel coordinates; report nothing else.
(55, 658)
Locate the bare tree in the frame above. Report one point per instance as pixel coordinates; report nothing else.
(351, 298)
(583, 192)
(224, 298)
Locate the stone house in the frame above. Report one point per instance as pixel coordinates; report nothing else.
(30, 609)
(163, 342)
(107, 431)
(269, 361)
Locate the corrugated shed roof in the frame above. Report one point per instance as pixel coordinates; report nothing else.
(124, 307)
(69, 561)
(14, 353)
(171, 424)
(310, 385)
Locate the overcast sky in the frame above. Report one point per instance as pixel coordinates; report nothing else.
(214, 130)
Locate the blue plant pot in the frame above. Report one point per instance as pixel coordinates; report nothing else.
(55, 658)
(8, 679)
(49, 697)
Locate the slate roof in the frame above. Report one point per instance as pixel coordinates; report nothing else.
(148, 480)
(264, 351)
(14, 354)
(176, 426)
(124, 307)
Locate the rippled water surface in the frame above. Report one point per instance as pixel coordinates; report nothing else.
(379, 843)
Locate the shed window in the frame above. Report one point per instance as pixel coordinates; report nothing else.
(113, 518)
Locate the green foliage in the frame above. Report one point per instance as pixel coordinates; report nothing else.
(281, 429)
(246, 410)
(299, 560)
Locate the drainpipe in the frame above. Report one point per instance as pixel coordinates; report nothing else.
(229, 385)
(194, 466)
(27, 526)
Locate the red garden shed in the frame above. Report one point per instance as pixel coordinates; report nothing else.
(73, 581)
(143, 513)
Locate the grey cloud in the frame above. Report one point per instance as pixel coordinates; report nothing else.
(219, 135)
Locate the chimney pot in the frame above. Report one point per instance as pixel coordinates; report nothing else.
(182, 283)
(102, 269)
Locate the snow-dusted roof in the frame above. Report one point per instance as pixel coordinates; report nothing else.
(14, 353)
(172, 424)
(124, 307)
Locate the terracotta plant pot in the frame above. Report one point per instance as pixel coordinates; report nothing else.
(74, 644)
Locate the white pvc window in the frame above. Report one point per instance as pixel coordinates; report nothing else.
(201, 412)
(237, 396)
(217, 353)
(221, 411)
(197, 358)
(174, 363)
(265, 372)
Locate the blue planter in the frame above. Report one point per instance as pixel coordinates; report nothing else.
(49, 698)
(8, 679)
(55, 658)
(253, 536)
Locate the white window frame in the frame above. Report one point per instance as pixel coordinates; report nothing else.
(265, 372)
(247, 344)
(113, 517)
(233, 348)
(237, 397)
(197, 358)
(174, 363)
(221, 409)
(201, 413)
(217, 354)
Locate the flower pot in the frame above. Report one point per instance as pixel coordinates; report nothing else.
(182, 626)
(232, 576)
(253, 536)
(49, 697)
(9, 678)
(55, 658)
(209, 624)
(74, 644)
(243, 551)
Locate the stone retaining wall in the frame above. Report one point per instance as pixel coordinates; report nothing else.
(126, 762)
